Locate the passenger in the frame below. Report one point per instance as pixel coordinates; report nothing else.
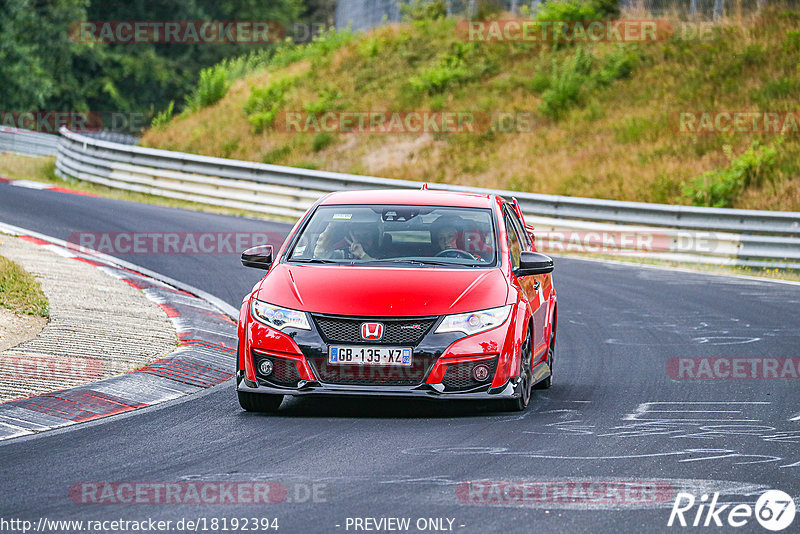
(347, 241)
(362, 242)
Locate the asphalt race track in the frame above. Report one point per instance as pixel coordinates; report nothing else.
(613, 419)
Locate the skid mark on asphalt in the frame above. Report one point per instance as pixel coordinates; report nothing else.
(731, 432)
(686, 329)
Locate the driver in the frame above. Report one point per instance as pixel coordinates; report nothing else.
(445, 233)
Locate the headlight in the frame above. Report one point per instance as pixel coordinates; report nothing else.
(277, 317)
(474, 322)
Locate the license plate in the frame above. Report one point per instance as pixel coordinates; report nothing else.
(365, 355)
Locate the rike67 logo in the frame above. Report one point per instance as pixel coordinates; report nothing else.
(774, 510)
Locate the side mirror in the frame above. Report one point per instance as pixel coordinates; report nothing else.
(531, 263)
(259, 257)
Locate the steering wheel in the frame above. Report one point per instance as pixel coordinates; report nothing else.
(455, 253)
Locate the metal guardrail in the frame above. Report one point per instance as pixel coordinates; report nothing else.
(27, 142)
(749, 237)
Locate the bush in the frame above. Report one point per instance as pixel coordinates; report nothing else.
(263, 104)
(329, 99)
(718, 188)
(566, 82)
(486, 9)
(322, 141)
(213, 85)
(163, 117)
(320, 46)
(571, 78)
(617, 64)
(569, 10)
(462, 64)
(423, 10)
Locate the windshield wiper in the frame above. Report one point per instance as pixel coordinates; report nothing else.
(425, 262)
(312, 260)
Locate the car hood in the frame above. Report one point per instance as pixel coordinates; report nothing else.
(382, 291)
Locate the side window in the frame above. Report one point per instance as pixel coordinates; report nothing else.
(513, 240)
(526, 238)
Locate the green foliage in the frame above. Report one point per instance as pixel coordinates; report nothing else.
(329, 99)
(45, 65)
(720, 187)
(321, 141)
(779, 89)
(263, 104)
(575, 11)
(241, 66)
(606, 9)
(569, 10)
(277, 154)
(486, 9)
(462, 64)
(320, 47)
(423, 10)
(619, 63)
(213, 85)
(792, 42)
(162, 118)
(19, 290)
(369, 47)
(631, 130)
(567, 80)
(571, 78)
(36, 55)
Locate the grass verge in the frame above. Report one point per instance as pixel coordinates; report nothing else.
(20, 292)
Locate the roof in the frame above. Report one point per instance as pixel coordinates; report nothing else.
(412, 197)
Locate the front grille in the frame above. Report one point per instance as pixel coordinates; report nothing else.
(403, 332)
(284, 371)
(458, 377)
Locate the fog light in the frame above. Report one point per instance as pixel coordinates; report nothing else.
(265, 367)
(480, 372)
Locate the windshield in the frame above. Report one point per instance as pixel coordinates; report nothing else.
(391, 235)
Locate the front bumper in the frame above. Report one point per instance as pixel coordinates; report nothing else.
(431, 391)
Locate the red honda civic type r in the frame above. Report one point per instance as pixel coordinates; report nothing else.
(408, 293)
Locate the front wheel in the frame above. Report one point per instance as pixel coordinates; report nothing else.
(519, 404)
(259, 402)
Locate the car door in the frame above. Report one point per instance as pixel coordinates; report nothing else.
(532, 286)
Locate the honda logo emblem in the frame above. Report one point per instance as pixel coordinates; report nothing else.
(371, 331)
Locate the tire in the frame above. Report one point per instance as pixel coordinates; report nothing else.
(547, 382)
(519, 404)
(259, 402)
